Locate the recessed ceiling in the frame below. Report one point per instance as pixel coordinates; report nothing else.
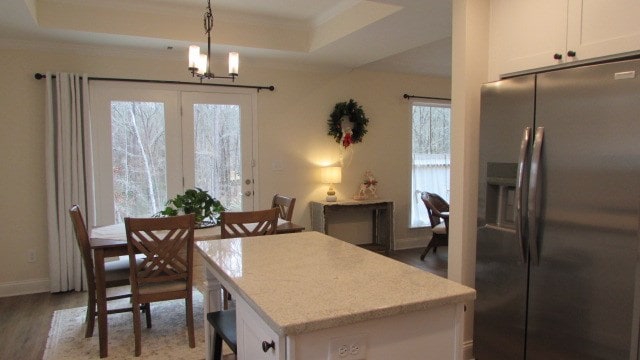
(411, 36)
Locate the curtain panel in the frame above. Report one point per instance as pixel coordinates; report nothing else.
(67, 168)
(430, 173)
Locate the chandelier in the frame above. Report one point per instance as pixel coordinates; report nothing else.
(200, 64)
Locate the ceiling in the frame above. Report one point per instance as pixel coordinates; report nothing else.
(408, 36)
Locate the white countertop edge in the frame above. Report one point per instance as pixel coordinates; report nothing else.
(294, 329)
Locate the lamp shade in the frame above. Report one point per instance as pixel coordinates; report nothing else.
(331, 174)
(234, 63)
(202, 64)
(194, 56)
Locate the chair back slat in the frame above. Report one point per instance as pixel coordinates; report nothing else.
(167, 246)
(285, 204)
(249, 223)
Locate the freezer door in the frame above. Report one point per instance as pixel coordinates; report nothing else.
(501, 272)
(582, 291)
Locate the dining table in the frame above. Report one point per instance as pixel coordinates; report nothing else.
(111, 241)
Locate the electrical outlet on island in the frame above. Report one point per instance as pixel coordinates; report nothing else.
(352, 347)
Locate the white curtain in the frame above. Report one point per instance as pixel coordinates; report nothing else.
(67, 169)
(430, 173)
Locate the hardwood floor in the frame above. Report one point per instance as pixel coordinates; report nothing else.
(433, 263)
(25, 320)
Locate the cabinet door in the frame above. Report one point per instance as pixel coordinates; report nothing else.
(526, 34)
(252, 331)
(600, 28)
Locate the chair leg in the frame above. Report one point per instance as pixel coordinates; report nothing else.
(136, 328)
(426, 251)
(217, 347)
(146, 309)
(225, 299)
(189, 311)
(436, 241)
(91, 315)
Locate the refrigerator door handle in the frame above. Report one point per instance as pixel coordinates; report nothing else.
(533, 205)
(520, 198)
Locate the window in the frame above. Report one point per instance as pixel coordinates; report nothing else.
(151, 142)
(431, 155)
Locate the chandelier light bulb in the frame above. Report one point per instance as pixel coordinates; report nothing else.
(202, 64)
(234, 63)
(194, 56)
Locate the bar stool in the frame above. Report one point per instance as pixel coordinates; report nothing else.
(224, 325)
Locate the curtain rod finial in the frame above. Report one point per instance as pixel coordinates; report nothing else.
(39, 76)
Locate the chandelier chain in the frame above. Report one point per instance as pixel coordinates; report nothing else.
(208, 19)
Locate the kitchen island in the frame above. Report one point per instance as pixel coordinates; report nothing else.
(316, 297)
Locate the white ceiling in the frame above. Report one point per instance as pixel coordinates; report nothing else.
(410, 36)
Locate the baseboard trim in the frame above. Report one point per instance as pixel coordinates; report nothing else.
(33, 286)
(409, 243)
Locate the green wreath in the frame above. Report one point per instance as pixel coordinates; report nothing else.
(355, 114)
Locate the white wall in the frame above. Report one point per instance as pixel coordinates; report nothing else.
(469, 71)
(292, 129)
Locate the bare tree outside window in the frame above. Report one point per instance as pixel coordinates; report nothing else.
(218, 157)
(139, 158)
(431, 129)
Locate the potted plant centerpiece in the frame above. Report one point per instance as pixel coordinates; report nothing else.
(195, 201)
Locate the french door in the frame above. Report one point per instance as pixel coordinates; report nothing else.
(151, 142)
(218, 156)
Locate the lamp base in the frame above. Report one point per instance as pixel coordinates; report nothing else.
(331, 198)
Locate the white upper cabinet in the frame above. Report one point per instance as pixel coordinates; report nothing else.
(532, 34)
(599, 28)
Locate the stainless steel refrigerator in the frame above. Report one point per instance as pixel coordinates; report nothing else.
(557, 273)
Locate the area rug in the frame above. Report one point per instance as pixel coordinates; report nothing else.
(167, 338)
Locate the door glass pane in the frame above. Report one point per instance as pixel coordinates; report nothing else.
(218, 155)
(139, 158)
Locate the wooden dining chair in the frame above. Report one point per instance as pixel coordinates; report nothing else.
(285, 204)
(438, 211)
(116, 274)
(237, 224)
(166, 272)
(248, 223)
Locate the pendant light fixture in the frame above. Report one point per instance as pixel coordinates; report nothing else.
(200, 64)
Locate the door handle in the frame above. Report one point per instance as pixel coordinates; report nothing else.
(520, 198)
(533, 206)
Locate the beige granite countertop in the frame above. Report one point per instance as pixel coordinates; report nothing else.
(309, 281)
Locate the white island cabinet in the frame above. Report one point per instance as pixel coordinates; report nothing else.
(308, 296)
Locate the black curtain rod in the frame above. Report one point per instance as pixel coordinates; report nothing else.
(39, 76)
(407, 96)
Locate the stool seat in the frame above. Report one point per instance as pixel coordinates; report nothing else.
(224, 325)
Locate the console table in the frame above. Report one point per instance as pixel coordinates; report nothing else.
(381, 210)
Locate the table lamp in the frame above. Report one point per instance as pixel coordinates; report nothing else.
(331, 175)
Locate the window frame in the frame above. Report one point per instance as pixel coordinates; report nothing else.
(418, 217)
(101, 149)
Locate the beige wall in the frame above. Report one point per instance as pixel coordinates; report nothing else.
(292, 130)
